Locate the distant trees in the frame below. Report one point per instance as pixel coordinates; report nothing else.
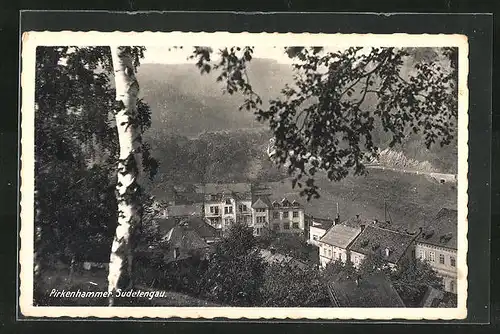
(325, 119)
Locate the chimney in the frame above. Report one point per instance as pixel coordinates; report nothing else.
(176, 252)
(387, 252)
(357, 216)
(362, 226)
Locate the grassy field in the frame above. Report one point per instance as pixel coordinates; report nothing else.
(411, 199)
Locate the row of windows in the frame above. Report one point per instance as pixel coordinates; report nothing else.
(328, 252)
(431, 257)
(276, 214)
(214, 209)
(286, 226)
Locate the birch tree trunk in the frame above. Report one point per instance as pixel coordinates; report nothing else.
(128, 187)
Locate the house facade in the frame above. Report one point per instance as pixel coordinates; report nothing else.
(286, 216)
(335, 244)
(437, 244)
(317, 229)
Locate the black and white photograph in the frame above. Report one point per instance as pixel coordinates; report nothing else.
(204, 175)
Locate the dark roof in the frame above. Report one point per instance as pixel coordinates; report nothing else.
(340, 235)
(185, 210)
(374, 240)
(166, 224)
(373, 291)
(286, 200)
(195, 223)
(442, 230)
(277, 258)
(261, 202)
(183, 237)
(201, 227)
(356, 221)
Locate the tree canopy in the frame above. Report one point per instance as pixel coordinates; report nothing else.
(324, 120)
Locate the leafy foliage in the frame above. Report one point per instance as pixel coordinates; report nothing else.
(324, 121)
(412, 278)
(76, 150)
(286, 285)
(339, 271)
(373, 263)
(235, 271)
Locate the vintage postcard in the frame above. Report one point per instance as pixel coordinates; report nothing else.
(243, 176)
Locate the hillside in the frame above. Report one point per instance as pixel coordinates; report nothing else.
(411, 199)
(185, 103)
(188, 103)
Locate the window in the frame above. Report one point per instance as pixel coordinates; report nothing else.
(452, 286)
(295, 225)
(214, 210)
(421, 254)
(295, 214)
(356, 260)
(258, 230)
(261, 220)
(228, 201)
(227, 221)
(286, 226)
(242, 208)
(453, 262)
(315, 237)
(340, 256)
(260, 210)
(285, 214)
(228, 210)
(276, 215)
(334, 254)
(432, 256)
(441, 258)
(329, 253)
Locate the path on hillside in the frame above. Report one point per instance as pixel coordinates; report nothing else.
(442, 177)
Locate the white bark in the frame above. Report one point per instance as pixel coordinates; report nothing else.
(129, 170)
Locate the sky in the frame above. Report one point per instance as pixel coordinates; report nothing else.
(162, 55)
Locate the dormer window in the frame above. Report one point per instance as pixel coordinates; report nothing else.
(295, 203)
(228, 201)
(387, 252)
(276, 204)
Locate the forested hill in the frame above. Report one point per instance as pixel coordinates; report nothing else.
(188, 103)
(198, 134)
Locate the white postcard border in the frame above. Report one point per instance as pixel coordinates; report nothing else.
(30, 40)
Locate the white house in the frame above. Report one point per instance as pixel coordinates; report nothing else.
(334, 245)
(317, 229)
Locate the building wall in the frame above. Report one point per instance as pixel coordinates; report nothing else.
(328, 253)
(259, 221)
(285, 216)
(315, 233)
(435, 255)
(214, 218)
